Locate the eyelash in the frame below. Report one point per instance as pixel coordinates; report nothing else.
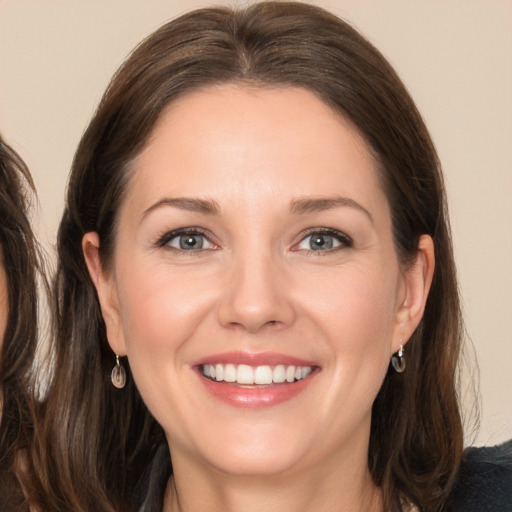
(344, 240)
(163, 240)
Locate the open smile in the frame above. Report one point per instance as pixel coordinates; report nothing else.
(249, 380)
(259, 375)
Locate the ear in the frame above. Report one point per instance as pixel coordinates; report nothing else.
(107, 292)
(417, 280)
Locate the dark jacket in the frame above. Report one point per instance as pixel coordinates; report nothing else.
(484, 482)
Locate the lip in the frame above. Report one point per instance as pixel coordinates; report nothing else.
(254, 359)
(255, 397)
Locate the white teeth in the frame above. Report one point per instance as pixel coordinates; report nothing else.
(230, 373)
(259, 375)
(263, 375)
(244, 374)
(305, 371)
(279, 373)
(290, 374)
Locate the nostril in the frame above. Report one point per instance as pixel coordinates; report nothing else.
(255, 325)
(253, 301)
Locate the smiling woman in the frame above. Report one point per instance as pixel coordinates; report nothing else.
(255, 253)
(216, 306)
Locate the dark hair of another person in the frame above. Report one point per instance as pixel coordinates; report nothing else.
(23, 268)
(97, 437)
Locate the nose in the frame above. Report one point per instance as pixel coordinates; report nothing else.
(256, 295)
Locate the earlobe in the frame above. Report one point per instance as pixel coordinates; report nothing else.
(107, 292)
(417, 279)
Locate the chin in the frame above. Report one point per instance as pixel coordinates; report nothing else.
(252, 451)
(250, 464)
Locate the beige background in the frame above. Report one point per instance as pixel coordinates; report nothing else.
(56, 57)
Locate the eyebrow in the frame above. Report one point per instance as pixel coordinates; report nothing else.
(205, 206)
(297, 206)
(318, 204)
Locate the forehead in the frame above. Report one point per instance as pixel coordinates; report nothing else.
(226, 139)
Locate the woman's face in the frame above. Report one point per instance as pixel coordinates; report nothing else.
(255, 287)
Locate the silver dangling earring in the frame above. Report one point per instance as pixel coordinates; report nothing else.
(118, 375)
(398, 360)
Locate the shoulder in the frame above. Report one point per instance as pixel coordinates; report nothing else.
(484, 482)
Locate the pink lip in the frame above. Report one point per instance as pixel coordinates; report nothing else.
(252, 359)
(255, 396)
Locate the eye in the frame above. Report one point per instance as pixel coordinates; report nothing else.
(186, 241)
(324, 240)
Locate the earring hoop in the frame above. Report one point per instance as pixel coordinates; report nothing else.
(118, 375)
(398, 359)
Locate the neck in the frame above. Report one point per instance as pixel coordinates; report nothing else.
(339, 487)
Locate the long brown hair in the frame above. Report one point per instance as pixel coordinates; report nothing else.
(97, 436)
(24, 271)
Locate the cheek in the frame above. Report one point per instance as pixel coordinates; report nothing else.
(160, 313)
(356, 315)
(161, 309)
(356, 306)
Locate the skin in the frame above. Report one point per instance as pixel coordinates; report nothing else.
(258, 285)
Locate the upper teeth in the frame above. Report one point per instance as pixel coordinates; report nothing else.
(245, 374)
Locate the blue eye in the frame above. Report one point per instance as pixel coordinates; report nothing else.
(324, 241)
(186, 241)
